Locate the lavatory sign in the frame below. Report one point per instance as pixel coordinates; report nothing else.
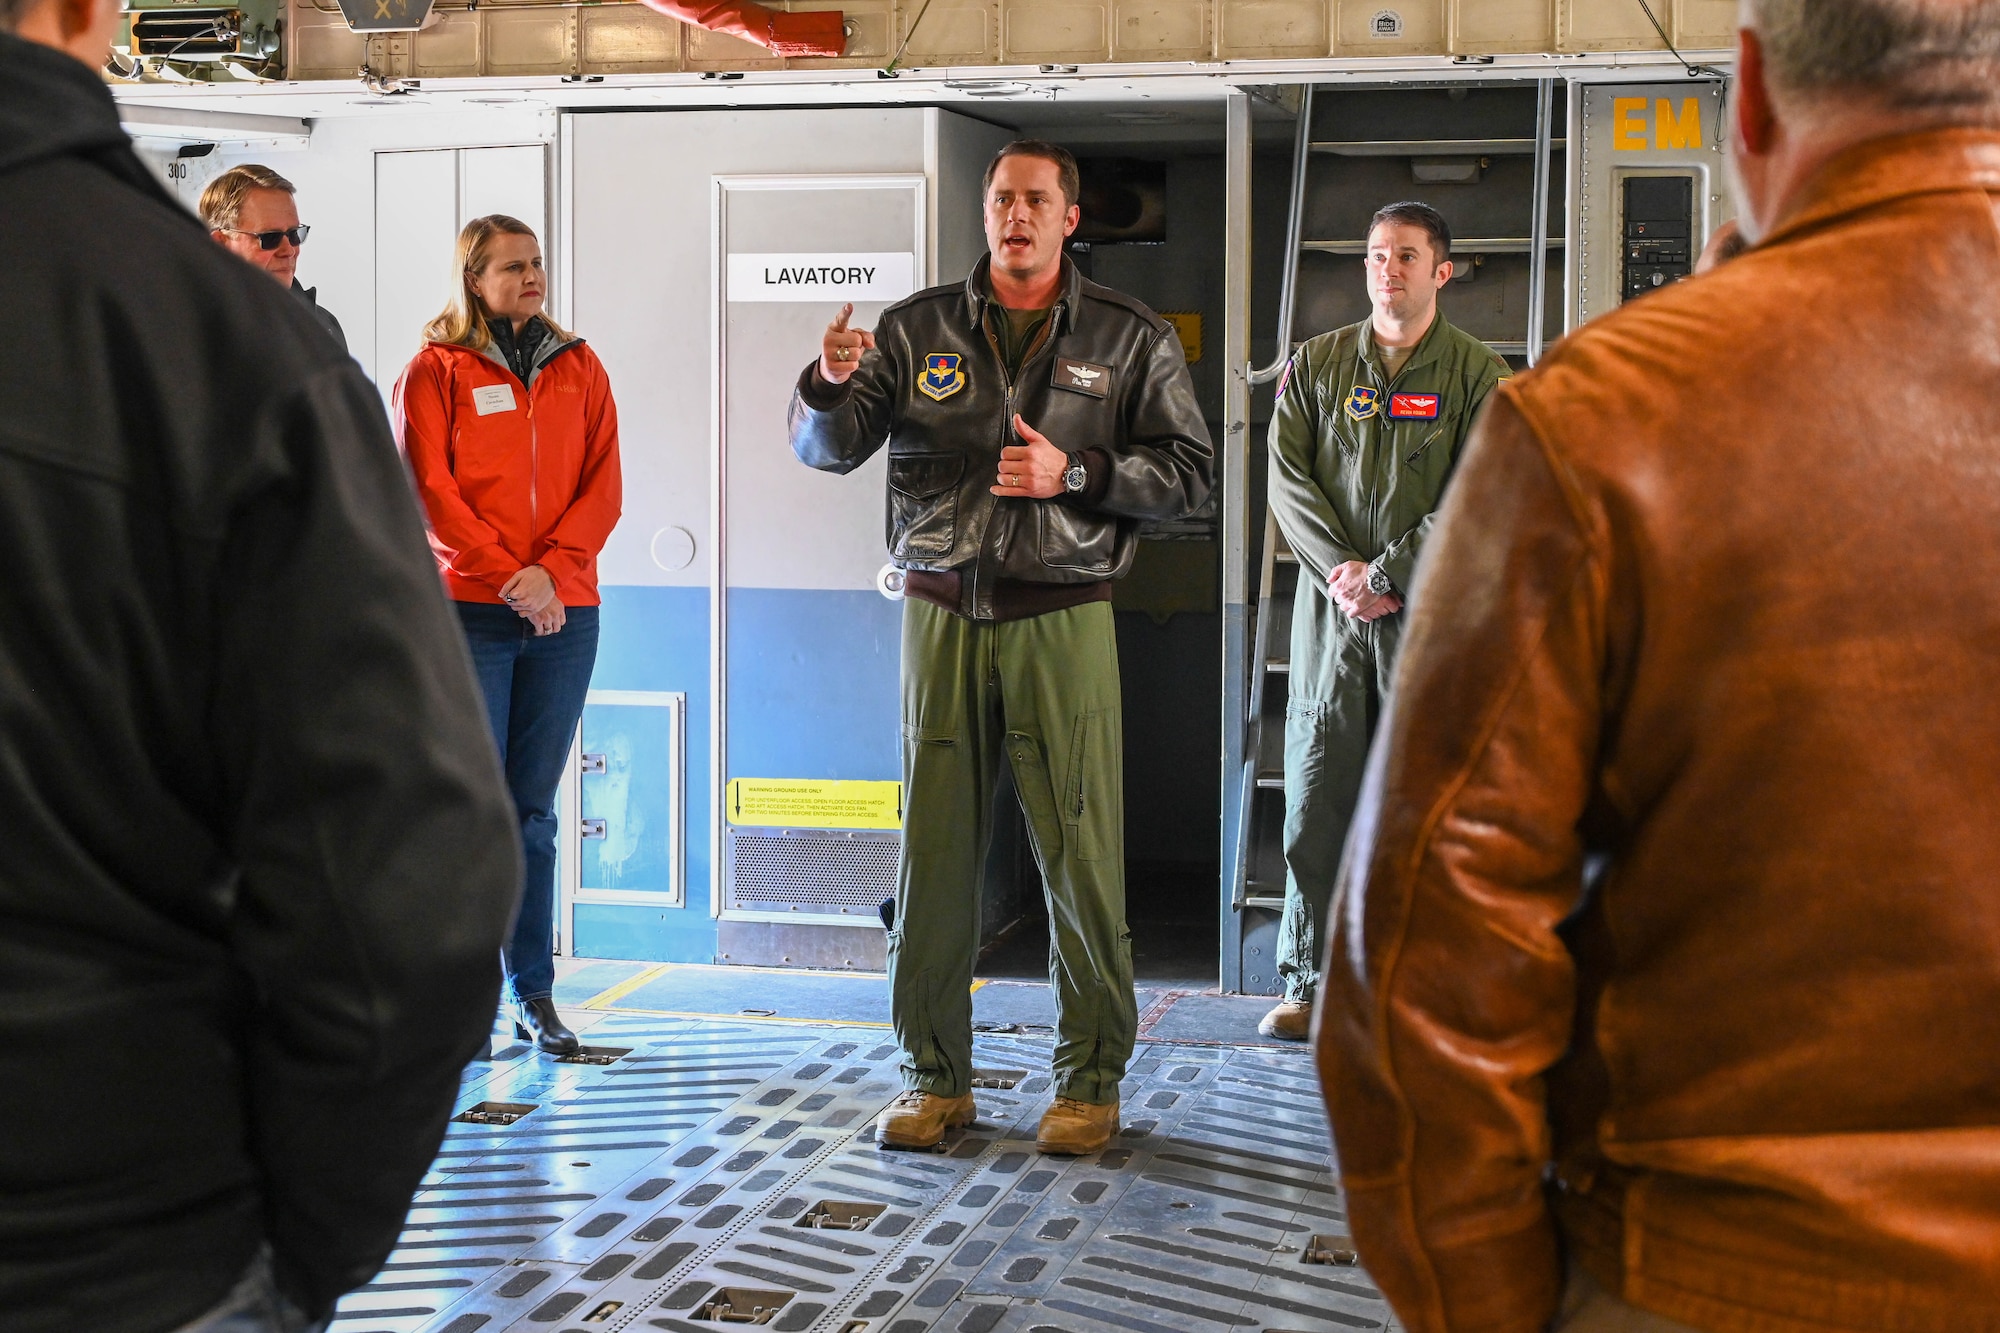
(822, 277)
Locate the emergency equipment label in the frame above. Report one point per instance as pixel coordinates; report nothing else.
(809, 803)
(820, 277)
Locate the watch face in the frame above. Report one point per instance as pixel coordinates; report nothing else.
(1074, 479)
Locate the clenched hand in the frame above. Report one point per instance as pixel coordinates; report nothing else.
(1349, 585)
(1032, 469)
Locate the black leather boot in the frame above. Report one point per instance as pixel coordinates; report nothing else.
(538, 1021)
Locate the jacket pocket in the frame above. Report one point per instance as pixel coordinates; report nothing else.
(1074, 539)
(923, 504)
(1416, 456)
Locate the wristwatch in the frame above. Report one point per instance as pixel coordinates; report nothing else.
(1379, 582)
(1076, 476)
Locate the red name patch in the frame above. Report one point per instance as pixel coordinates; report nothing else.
(1413, 406)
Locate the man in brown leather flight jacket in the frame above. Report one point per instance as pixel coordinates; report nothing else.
(1669, 948)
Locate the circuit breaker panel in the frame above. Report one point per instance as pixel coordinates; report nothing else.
(1657, 216)
(1646, 185)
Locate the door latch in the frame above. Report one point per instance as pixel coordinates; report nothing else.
(593, 828)
(592, 763)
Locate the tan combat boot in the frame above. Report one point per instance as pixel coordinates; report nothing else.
(919, 1119)
(1073, 1128)
(1290, 1021)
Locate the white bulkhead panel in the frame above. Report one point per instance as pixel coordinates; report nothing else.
(422, 199)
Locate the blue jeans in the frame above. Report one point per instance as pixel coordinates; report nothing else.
(254, 1305)
(534, 690)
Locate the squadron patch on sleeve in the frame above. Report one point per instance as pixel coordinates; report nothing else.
(1363, 402)
(943, 376)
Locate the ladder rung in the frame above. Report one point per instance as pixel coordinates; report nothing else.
(1271, 781)
(1433, 147)
(1484, 245)
(1266, 902)
(1284, 557)
(1279, 668)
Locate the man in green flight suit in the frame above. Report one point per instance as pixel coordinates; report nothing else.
(1368, 426)
(1033, 420)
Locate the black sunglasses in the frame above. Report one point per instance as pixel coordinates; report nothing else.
(268, 240)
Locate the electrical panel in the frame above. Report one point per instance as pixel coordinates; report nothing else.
(1659, 231)
(1646, 188)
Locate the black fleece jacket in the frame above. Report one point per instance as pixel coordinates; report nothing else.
(256, 859)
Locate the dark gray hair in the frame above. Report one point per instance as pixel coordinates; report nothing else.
(1941, 55)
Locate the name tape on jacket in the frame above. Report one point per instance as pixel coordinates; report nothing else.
(817, 278)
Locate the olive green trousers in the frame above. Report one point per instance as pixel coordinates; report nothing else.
(1339, 679)
(1042, 695)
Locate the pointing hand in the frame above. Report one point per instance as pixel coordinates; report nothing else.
(840, 350)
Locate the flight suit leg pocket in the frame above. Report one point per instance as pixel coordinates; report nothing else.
(1088, 805)
(1035, 785)
(1306, 723)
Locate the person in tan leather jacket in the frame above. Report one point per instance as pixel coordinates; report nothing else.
(1665, 991)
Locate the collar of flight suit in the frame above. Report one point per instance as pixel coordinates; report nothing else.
(979, 293)
(1428, 349)
(1896, 167)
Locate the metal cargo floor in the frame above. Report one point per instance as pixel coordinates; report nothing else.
(638, 1194)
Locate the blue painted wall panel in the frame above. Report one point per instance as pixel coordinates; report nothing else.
(647, 934)
(812, 695)
(812, 684)
(655, 638)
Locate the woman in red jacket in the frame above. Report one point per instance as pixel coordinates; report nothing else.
(509, 427)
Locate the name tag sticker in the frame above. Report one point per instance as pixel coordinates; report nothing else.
(1082, 377)
(1413, 406)
(491, 398)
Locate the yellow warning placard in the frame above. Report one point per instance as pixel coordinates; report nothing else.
(809, 803)
(1187, 323)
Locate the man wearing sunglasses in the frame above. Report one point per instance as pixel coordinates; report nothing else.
(250, 210)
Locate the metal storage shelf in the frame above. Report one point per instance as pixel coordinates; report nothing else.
(1483, 245)
(1432, 147)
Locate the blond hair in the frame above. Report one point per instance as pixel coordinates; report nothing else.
(463, 321)
(221, 205)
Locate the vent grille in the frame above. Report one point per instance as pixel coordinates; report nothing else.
(188, 34)
(783, 869)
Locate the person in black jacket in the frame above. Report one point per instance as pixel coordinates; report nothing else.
(256, 859)
(251, 212)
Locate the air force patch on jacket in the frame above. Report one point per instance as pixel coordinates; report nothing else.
(942, 376)
(1363, 403)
